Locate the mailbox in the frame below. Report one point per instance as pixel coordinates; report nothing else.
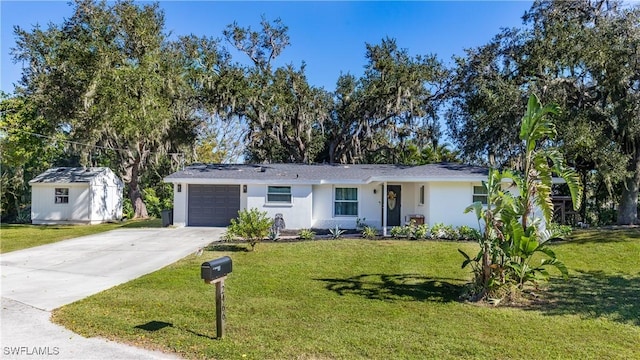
(215, 269)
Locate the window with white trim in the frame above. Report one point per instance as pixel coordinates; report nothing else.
(345, 201)
(421, 196)
(279, 194)
(62, 195)
(480, 194)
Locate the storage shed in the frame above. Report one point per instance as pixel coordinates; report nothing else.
(76, 195)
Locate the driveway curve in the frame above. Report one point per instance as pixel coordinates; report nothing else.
(38, 280)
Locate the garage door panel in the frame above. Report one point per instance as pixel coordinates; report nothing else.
(213, 205)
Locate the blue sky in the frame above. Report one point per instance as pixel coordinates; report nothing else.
(329, 37)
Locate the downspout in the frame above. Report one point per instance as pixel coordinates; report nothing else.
(384, 209)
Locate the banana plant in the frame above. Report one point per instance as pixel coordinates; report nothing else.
(541, 163)
(512, 231)
(523, 245)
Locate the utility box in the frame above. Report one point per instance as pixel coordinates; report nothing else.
(215, 269)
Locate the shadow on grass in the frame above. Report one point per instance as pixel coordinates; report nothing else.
(593, 294)
(226, 247)
(410, 287)
(153, 326)
(604, 235)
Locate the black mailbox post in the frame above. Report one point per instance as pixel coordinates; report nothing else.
(215, 271)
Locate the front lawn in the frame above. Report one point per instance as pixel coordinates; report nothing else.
(381, 299)
(18, 237)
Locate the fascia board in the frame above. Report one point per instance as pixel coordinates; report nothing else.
(218, 181)
(415, 179)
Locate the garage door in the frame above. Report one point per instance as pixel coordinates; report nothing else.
(213, 205)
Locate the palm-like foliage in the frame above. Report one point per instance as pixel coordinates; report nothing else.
(513, 232)
(541, 163)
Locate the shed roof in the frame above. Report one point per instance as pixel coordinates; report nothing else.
(325, 173)
(67, 175)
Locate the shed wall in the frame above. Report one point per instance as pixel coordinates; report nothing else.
(44, 210)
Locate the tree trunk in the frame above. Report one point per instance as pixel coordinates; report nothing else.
(135, 195)
(628, 209)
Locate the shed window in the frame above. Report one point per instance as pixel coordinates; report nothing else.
(62, 196)
(480, 194)
(279, 194)
(421, 196)
(346, 202)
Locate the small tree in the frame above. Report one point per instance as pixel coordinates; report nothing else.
(251, 225)
(513, 231)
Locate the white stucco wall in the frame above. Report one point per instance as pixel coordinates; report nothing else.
(297, 215)
(313, 205)
(447, 201)
(369, 206)
(44, 210)
(180, 204)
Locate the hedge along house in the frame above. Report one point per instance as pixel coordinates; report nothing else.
(76, 195)
(323, 196)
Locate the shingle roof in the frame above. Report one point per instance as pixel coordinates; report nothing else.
(67, 175)
(326, 173)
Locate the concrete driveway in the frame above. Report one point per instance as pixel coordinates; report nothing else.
(38, 280)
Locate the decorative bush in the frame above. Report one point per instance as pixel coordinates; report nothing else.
(252, 225)
(306, 234)
(445, 232)
(559, 231)
(274, 235)
(336, 232)
(421, 232)
(400, 231)
(369, 232)
(468, 233)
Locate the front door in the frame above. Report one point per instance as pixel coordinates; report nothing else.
(393, 205)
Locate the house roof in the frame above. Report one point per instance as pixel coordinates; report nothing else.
(68, 175)
(324, 173)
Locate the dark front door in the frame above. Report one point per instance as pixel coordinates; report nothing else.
(393, 205)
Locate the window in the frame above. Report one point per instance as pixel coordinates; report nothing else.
(480, 194)
(279, 194)
(346, 202)
(62, 196)
(421, 196)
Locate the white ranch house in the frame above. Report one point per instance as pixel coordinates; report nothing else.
(323, 196)
(76, 195)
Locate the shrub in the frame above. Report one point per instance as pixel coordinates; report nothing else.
(274, 235)
(23, 216)
(559, 231)
(226, 237)
(468, 233)
(336, 232)
(369, 232)
(421, 232)
(306, 234)
(400, 231)
(127, 209)
(252, 225)
(442, 231)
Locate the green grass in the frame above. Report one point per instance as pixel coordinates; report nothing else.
(349, 299)
(18, 237)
